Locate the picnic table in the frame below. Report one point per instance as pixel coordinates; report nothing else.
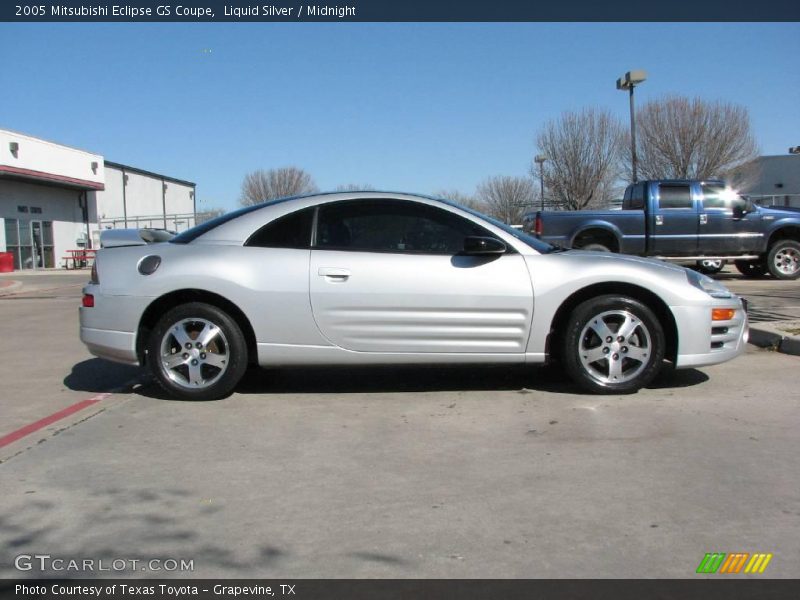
(80, 258)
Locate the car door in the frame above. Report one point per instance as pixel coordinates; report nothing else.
(387, 276)
(674, 220)
(722, 230)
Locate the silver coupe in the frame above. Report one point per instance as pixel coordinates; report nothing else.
(363, 278)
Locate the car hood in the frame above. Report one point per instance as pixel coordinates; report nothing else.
(594, 258)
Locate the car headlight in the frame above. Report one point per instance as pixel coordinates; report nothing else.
(710, 286)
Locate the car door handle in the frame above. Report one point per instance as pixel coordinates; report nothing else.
(659, 220)
(334, 273)
(703, 219)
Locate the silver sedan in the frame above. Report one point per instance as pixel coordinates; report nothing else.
(376, 278)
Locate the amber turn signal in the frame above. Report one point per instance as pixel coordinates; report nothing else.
(722, 314)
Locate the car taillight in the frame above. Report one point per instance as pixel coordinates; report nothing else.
(88, 301)
(537, 227)
(94, 278)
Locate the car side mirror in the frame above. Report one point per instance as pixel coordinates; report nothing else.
(481, 246)
(739, 211)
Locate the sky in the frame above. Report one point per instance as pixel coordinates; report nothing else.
(416, 107)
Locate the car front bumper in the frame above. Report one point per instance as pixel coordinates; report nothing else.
(703, 342)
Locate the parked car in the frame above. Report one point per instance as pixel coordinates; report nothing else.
(683, 220)
(376, 278)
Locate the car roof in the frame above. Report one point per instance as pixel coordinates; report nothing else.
(237, 226)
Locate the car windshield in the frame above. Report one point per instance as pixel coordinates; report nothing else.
(536, 244)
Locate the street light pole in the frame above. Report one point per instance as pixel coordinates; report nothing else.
(627, 82)
(539, 159)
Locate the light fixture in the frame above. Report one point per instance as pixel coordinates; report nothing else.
(94, 167)
(627, 82)
(14, 148)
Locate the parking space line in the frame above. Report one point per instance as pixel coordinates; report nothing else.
(49, 420)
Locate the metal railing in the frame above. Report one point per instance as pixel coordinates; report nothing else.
(173, 222)
(776, 200)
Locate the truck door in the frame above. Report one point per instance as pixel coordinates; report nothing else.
(723, 230)
(673, 220)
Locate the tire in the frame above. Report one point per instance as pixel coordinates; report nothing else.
(750, 268)
(783, 259)
(206, 370)
(596, 247)
(586, 336)
(710, 266)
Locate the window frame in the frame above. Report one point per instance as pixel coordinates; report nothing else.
(692, 204)
(411, 203)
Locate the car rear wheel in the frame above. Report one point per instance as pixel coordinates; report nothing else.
(783, 259)
(612, 345)
(197, 352)
(750, 268)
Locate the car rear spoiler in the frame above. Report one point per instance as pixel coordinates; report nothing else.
(115, 238)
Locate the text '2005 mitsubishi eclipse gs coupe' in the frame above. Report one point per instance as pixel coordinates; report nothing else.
(378, 278)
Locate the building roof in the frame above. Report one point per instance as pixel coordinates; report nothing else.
(137, 170)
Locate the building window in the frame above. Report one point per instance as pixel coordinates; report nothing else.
(36, 210)
(31, 243)
(22, 209)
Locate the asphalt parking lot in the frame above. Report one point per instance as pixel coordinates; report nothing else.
(393, 472)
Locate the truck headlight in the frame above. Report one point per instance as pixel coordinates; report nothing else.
(710, 286)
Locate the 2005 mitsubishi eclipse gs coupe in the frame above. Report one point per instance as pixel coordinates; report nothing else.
(378, 278)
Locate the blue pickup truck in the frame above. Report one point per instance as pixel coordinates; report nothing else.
(683, 221)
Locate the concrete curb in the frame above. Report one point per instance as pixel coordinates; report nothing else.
(773, 335)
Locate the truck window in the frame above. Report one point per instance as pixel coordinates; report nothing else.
(720, 197)
(634, 197)
(674, 196)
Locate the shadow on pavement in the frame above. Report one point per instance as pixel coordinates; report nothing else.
(405, 379)
(97, 375)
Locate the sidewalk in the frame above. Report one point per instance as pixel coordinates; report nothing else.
(25, 282)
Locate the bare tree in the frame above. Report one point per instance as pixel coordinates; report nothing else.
(262, 185)
(354, 187)
(583, 155)
(468, 200)
(507, 198)
(686, 138)
(207, 215)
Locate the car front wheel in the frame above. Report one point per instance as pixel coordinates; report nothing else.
(197, 352)
(612, 345)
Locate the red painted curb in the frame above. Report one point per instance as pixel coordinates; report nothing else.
(56, 416)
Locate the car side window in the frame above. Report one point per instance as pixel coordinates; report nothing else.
(674, 196)
(393, 226)
(289, 231)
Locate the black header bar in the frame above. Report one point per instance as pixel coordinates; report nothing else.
(399, 10)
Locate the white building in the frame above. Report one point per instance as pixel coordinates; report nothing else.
(773, 180)
(54, 198)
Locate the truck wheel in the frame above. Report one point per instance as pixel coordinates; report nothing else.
(750, 268)
(783, 259)
(596, 247)
(710, 266)
(612, 345)
(197, 352)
